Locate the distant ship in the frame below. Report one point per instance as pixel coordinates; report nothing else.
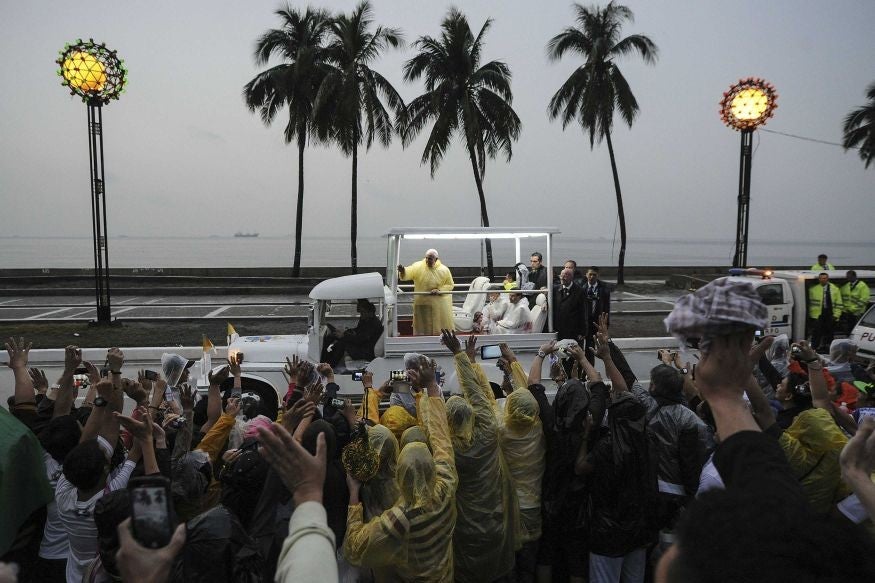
(239, 234)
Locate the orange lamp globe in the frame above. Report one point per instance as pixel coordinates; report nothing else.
(748, 104)
(84, 72)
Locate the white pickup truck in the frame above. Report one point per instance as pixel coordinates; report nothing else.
(786, 295)
(264, 356)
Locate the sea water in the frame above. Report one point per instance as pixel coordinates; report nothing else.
(154, 252)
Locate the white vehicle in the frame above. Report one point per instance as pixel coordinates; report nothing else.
(264, 356)
(785, 293)
(864, 335)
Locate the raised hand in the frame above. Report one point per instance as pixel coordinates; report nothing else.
(115, 358)
(806, 352)
(303, 474)
(758, 350)
(186, 397)
(220, 376)
(506, 352)
(724, 369)
(602, 345)
(449, 339)
(471, 348)
(297, 413)
(313, 392)
(39, 380)
(92, 372)
(548, 347)
(142, 429)
(602, 326)
(291, 367)
(72, 358)
(234, 362)
(232, 407)
(18, 352)
(304, 373)
(106, 389)
(367, 379)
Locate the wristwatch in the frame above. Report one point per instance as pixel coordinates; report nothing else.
(685, 370)
(100, 402)
(541, 354)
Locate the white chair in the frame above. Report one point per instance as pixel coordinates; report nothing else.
(538, 316)
(463, 316)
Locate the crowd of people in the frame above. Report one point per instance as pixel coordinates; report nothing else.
(756, 463)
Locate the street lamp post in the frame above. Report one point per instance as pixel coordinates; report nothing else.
(95, 74)
(747, 105)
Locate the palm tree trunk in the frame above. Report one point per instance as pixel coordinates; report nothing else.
(354, 212)
(299, 215)
(484, 216)
(622, 259)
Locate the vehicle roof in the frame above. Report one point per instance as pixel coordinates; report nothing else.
(473, 232)
(833, 273)
(349, 287)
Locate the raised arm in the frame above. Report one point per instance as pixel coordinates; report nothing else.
(819, 394)
(18, 355)
(536, 370)
(214, 396)
(762, 411)
(604, 352)
(101, 421)
(67, 390)
(472, 381)
(858, 464)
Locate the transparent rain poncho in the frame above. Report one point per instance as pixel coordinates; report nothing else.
(525, 449)
(381, 492)
(488, 524)
(411, 541)
(413, 434)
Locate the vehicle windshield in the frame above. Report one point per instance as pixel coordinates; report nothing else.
(868, 318)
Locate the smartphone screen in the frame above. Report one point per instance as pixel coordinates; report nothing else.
(357, 376)
(489, 352)
(150, 512)
(399, 375)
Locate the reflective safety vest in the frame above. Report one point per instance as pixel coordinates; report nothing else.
(855, 297)
(819, 267)
(815, 300)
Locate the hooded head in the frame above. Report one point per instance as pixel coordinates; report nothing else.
(250, 431)
(460, 418)
(243, 480)
(842, 351)
(416, 475)
(192, 474)
(175, 368)
(413, 434)
(383, 441)
(521, 411)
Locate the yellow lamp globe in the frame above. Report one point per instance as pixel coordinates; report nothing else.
(749, 104)
(84, 72)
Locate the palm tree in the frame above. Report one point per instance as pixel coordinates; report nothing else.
(597, 87)
(461, 96)
(860, 128)
(349, 109)
(295, 82)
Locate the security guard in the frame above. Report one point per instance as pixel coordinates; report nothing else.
(825, 307)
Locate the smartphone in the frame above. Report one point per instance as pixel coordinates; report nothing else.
(357, 376)
(151, 513)
(336, 403)
(866, 412)
(490, 351)
(150, 375)
(438, 377)
(399, 375)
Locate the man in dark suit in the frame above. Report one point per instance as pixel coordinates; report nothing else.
(597, 299)
(569, 310)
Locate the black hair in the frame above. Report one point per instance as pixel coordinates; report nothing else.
(666, 381)
(308, 440)
(538, 255)
(851, 273)
(60, 436)
(774, 539)
(594, 268)
(822, 256)
(85, 464)
(572, 262)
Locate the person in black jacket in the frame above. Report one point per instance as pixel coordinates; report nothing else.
(569, 311)
(597, 301)
(357, 343)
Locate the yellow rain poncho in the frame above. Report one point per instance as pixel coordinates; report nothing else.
(812, 445)
(411, 541)
(488, 527)
(381, 492)
(413, 434)
(525, 448)
(396, 417)
(431, 313)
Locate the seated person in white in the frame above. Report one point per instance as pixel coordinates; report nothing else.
(494, 311)
(517, 318)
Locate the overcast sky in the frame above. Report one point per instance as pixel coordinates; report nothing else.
(185, 156)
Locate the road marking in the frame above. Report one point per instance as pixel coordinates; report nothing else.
(9, 301)
(649, 299)
(216, 312)
(76, 315)
(155, 301)
(38, 316)
(117, 312)
(127, 300)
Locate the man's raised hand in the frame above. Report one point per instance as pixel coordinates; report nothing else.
(18, 352)
(220, 376)
(471, 348)
(39, 380)
(449, 339)
(72, 358)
